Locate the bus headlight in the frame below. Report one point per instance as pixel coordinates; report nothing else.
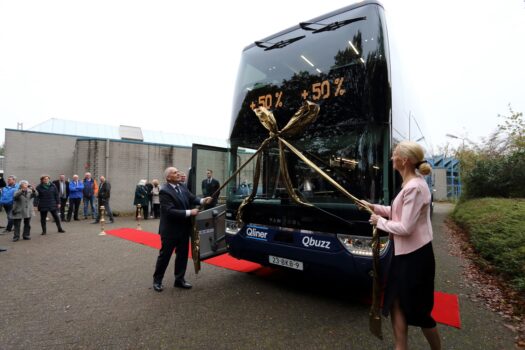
(232, 228)
(361, 245)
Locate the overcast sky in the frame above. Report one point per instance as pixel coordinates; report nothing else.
(171, 65)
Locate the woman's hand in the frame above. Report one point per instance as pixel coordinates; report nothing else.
(364, 205)
(374, 219)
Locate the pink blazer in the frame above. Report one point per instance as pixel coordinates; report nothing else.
(409, 217)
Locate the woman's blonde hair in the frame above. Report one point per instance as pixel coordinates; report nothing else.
(415, 155)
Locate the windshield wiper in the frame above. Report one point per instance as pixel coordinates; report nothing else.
(278, 45)
(329, 27)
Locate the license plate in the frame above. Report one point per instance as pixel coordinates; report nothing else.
(292, 264)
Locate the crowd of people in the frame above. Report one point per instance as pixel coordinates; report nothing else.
(63, 199)
(20, 201)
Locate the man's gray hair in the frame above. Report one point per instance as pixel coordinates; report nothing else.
(168, 171)
(12, 177)
(24, 182)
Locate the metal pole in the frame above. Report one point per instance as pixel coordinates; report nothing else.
(102, 220)
(138, 217)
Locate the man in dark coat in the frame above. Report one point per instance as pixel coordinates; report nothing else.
(104, 193)
(62, 186)
(175, 227)
(209, 186)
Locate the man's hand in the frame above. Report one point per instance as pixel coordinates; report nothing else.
(208, 200)
(194, 212)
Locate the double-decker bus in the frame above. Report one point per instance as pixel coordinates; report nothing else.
(342, 62)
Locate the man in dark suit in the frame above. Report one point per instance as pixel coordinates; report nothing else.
(175, 227)
(104, 193)
(62, 186)
(209, 186)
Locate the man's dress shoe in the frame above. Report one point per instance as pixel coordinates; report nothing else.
(182, 284)
(158, 287)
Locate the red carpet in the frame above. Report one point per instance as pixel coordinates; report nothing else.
(446, 306)
(446, 309)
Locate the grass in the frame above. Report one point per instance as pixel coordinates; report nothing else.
(496, 228)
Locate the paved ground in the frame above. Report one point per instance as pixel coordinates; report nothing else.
(79, 290)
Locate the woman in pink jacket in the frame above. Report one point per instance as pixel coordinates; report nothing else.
(409, 295)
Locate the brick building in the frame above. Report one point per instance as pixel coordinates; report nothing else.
(123, 154)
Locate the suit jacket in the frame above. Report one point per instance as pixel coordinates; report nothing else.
(104, 192)
(409, 217)
(173, 220)
(209, 188)
(57, 185)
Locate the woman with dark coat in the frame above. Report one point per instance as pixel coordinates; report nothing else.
(141, 197)
(48, 201)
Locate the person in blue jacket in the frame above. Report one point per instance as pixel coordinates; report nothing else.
(90, 192)
(76, 188)
(6, 200)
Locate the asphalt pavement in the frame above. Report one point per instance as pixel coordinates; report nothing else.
(79, 290)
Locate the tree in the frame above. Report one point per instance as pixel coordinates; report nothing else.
(496, 167)
(514, 127)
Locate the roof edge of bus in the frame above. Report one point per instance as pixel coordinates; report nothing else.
(319, 18)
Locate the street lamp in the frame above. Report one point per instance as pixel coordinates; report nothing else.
(458, 138)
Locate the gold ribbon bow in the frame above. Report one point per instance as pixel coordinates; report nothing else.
(305, 116)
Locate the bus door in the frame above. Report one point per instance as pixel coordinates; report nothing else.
(211, 223)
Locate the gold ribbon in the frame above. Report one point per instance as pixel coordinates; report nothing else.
(195, 245)
(304, 117)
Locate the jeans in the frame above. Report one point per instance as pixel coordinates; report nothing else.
(91, 202)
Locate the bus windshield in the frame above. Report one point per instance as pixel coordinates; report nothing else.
(341, 63)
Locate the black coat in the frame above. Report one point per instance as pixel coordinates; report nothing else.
(141, 196)
(104, 192)
(57, 185)
(173, 220)
(209, 188)
(47, 199)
